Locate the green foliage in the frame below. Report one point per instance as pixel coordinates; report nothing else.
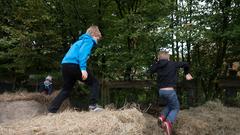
(29, 42)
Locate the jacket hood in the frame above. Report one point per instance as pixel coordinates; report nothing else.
(162, 63)
(87, 36)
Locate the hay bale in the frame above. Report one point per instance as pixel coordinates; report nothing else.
(212, 118)
(125, 122)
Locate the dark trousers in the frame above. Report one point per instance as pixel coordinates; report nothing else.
(71, 73)
(230, 96)
(45, 89)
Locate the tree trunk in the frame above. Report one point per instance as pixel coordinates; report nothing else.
(172, 37)
(177, 23)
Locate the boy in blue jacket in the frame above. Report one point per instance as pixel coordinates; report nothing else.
(74, 67)
(167, 79)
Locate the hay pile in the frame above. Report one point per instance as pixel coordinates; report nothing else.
(210, 119)
(35, 120)
(27, 96)
(125, 122)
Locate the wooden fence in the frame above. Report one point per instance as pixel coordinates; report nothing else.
(188, 86)
(139, 84)
(228, 83)
(107, 86)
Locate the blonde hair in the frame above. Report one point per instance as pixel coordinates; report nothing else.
(49, 77)
(235, 66)
(238, 74)
(163, 55)
(94, 31)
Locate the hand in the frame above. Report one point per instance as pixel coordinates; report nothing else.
(84, 74)
(189, 76)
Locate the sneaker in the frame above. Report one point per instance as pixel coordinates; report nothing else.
(161, 119)
(167, 126)
(95, 108)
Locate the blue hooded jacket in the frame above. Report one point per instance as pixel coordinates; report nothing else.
(80, 51)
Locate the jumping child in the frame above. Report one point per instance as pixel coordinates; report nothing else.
(167, 79)
(74, 67)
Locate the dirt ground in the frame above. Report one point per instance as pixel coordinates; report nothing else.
(25, 113)
(20, 110)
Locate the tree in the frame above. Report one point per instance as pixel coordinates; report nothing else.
(30, 45)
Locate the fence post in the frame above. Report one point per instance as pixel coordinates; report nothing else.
(105, 96)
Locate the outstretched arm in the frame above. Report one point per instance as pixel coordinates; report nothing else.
(183, 65)
(153, 68)
(186, 68)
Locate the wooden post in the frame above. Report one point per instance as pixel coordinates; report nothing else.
(105, 95)
(103, 92)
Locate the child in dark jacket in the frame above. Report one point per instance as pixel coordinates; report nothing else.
(46, 87)
(167, 79)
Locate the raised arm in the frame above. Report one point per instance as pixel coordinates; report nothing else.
(186, 68)
(183, 65)
(153, 68)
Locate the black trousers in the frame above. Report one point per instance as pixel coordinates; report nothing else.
(71, 73)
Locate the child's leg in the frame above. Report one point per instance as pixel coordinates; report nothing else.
(163, 94)
(63, 94)
(165, 111)
(68, 73)
(174, 107)
(94, 86)
(163, 116)
(168, 96)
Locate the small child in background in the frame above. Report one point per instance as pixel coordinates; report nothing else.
(46, 87)
(231, 93)
(167, 79)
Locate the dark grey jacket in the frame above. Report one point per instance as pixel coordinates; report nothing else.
(167, 72)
